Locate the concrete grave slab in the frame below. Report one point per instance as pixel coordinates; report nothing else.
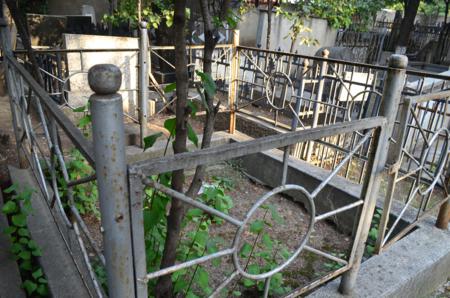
(79, 64)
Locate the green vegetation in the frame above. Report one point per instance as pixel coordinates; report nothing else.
(24, 249)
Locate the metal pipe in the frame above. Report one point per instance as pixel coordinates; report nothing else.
(316, 103)
(395, 81)
(110, 165)
(143, 81)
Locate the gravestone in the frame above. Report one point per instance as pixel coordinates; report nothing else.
(79, 64)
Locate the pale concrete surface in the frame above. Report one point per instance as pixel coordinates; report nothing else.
(64, 279)
(413, 267)
(126, 61)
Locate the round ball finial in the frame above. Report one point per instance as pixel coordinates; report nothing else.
(104, 78)
(398, 61)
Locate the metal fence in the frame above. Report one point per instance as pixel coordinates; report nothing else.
(290, 92)
(337, 112)
(43, 133)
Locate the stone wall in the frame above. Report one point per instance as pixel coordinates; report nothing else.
(253, 32)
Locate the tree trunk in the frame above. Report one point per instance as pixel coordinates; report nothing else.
(164, 285)
(269, 24)
(407, 25)
(447, 4)
(22, 29)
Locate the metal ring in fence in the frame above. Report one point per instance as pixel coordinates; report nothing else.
(440, 164)
(310, 206)
(271, 86)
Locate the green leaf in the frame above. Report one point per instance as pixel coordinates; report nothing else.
(192, 136)
(23, 240)
(208, 83)
(25, 255)
(256, 226)
(150, 140)
(194, 212)
(237, 293)
(370, 249)
(253, 269)
(42, 290)
(38, 273)
(10, 189)
(9, 207)
(23, 232)
(26, 265)
(203, 278)
(84, 121)
(248, 282)
(80, 109)
(193, 106)
(171, 87)
(170, 125)
(373, 233)
(245, 250)
(19, 220)
(9, 230)
(29, 286)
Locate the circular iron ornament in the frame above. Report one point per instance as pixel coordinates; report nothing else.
(440, 164)
(310, 206)
(271, 83)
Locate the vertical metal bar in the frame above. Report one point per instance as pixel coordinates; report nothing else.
(110, 166)
(234, 72)
(391, 98)
(316, 106)
(394, 160)
(137, 227)
(143, 81)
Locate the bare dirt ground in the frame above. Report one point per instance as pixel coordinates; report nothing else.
(289, 233)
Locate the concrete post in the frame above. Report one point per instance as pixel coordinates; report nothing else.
(143, 81)
(392, 91)
(111, 170)
(234, 73)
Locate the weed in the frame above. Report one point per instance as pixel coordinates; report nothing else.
(24, 249)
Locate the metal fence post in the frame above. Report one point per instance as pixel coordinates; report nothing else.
(391, 99)
(143, 81)
(234, 73)
(394, 161)
(110, 166)
(317, 105)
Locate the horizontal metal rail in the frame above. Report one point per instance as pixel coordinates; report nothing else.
(359, 64)
(64, 51)
(190, 160)
(427, 97)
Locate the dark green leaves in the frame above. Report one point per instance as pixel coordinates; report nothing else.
(19, 220)
(9, 207)
(170, 125)
(208, 83)
(150, 140)
(170, 87)
(192, 136)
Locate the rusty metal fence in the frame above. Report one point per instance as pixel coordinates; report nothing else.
(340, 115)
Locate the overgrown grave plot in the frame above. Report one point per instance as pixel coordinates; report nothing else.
(274, 233)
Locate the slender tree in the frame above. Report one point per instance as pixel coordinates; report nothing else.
(407, 24)
(164, 285)
(177, 209)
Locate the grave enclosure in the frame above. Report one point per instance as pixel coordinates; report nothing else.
(339, 138)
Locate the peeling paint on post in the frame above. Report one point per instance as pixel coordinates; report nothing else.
(110, 165)
(392, 92)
